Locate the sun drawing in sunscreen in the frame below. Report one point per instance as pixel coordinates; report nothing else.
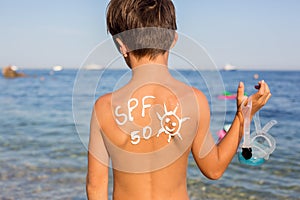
(170, 123)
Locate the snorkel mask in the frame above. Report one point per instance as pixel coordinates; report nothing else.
(257, 147)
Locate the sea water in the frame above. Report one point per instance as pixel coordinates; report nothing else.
(43, 156)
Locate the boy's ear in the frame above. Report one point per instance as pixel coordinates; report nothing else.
(175, 40)
(123, 48)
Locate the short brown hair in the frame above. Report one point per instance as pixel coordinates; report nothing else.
(125, 15)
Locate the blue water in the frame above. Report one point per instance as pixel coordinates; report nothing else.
(42, 156)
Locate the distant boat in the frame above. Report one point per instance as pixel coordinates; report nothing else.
(57, 68)
(93, 67)
(229, 67)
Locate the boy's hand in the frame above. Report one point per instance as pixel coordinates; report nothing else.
(259, 99)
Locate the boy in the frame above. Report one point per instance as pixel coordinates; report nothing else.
(148, 127)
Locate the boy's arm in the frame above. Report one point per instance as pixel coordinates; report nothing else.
(97, 179)
(213, 159)
(98, 159)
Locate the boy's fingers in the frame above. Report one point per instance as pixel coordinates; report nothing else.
(268, 97)
(240, 93)
(263, 94)
(266, 93)
(267, 89)
(262, 87)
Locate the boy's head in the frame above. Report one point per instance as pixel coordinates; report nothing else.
(135, 15)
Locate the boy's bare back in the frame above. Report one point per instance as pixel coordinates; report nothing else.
(150, 153)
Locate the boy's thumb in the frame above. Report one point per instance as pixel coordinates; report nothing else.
(240, 93)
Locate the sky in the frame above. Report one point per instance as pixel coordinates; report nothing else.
(249, 34)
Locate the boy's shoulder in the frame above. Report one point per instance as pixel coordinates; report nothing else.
(102, 108)
(199, 94)
(103, 101)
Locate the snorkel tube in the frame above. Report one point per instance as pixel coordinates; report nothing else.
(256, 149)
(246, 148)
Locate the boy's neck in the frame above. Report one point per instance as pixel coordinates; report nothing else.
(160, 60)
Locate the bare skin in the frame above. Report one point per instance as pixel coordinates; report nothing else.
(168, 182)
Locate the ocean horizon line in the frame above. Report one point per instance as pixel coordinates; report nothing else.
(172, 68)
